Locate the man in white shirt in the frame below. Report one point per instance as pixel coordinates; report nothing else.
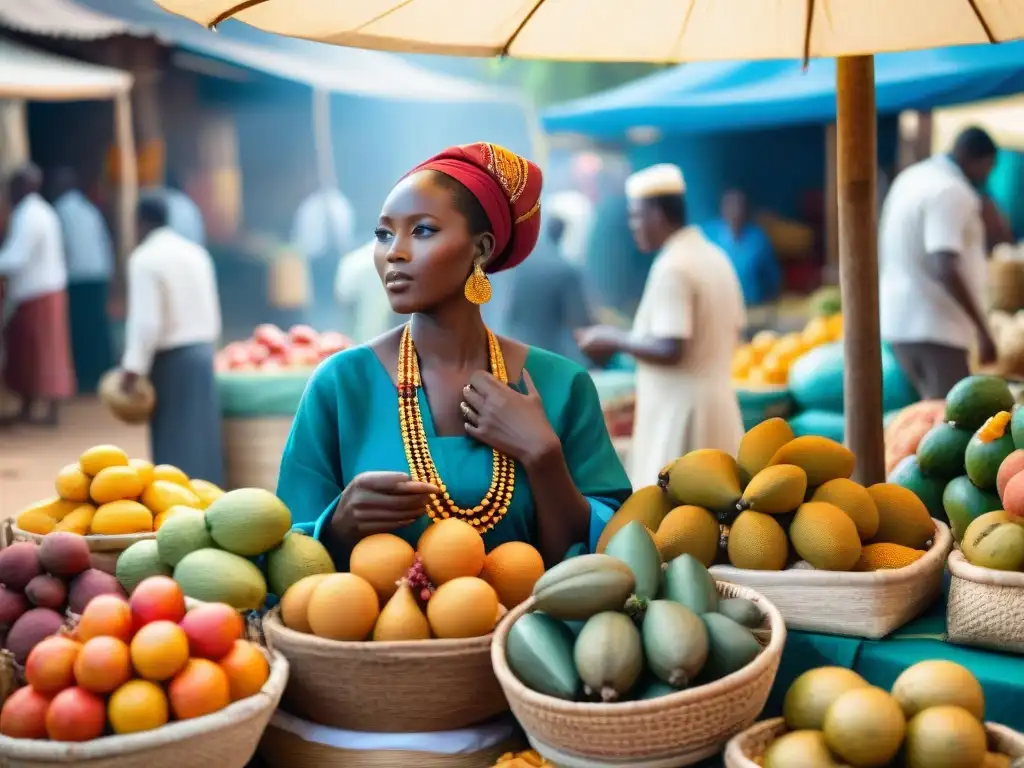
(38, 366)
(932, 265)
(684, 334)
(184, 216)
(172, 326)
(89, 255)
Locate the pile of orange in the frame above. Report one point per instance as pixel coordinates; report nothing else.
(134, 665)
(447, 587)
(107, 493)
(766, 360)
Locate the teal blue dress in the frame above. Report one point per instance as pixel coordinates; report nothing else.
(347, 424)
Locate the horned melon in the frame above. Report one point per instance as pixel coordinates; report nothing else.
(761, 443)
(649, 505)
(688, 530)
(825, 536)
(609, 655)
(775, 490)
(902, 516)
(675, 642)
(578, 588)
(854, 499)
(689, 583)
(539, 651)
(886, 556)
(706, 478)
(822, 459)
(757, 543)
(635, 546)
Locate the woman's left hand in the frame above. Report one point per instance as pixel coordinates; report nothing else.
(510, 422)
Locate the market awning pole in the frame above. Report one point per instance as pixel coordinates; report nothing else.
(856, 165)
(128, 180)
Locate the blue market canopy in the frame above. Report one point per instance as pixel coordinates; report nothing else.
(717, 96)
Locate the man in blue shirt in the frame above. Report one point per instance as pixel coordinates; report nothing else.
(748, 248)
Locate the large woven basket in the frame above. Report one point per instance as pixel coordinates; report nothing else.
(225, 739)
(985, 607)
(869, 605)
(679, 729)
(104, 549)
(252, 450)
(746, 747)
(414, 686)
(1006, 284)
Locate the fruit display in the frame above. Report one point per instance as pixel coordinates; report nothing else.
(447, 588)
(210, 552)
(783, 502)
(40, 583)
(272, 349)
(133, 665)
(619, 626)
(903, 434)
(931, 718)
(105, 493)
(766, 360)
(528, 759)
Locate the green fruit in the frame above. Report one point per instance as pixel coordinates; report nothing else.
(945, 737)
(608, 656)
(940, 453)
(295, 558)
(995, 541)
(248, 522)
(799, 749)
(982, 459)
(865, 727)
(731, 647)
(811, 694)
(648, 505)
(675, 642)
(963, 502)
(137, 563)
(973, 400)
(635, 546)
(216, 576)
(742, 611)
(907, 474)
(181, 533)
(539, 651)
(689, 583)
(705, 478)
(653, 688)
(1017, 426)
(580, 587)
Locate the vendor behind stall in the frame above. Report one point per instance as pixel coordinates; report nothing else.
(440, 417)
(748, 248)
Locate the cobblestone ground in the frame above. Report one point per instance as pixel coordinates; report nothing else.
(31, 456)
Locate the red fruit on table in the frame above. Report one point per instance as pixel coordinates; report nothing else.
(158, 598)
(270, 336)
(257, 353)
(76, 715)
(212, 630)
(24, 714)
(303, 335)
(332, 342)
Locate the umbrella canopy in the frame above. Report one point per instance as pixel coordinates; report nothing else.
(642, 31)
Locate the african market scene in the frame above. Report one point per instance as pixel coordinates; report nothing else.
(511, 384)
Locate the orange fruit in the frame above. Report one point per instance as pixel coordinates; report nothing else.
(138, 705)
(144, 469)
(358, 601)
(75, 715)
(100, 457)
(116, 484)
(212, 630)
(171, 474)
(247, 669)
(295, 603)
(50, 666)
(24, 714)
(382, 559)
(512, 569)
(105, 616)
(161, 495)
(103, 664)
(72, 484)
(452, 550)
(463, 607)
(159, 650)
(158, 598)
(201, 688)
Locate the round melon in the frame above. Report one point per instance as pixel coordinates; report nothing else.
(140, 561)
(248, 521)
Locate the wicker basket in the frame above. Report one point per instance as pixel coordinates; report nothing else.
(1006, 284)
(751, 744)
(679, 729)
(415, 686)
(869, 605)
(225, 739)
(252, 450)
(985, 607)
(105, 549)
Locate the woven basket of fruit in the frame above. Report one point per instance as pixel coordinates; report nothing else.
(611, 695)
(985, 606)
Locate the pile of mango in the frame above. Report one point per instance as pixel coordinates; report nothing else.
(968, 469)
(618, 626)
(783, 502)
(766, 360)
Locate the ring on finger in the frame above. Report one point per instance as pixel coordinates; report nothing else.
(467, 412)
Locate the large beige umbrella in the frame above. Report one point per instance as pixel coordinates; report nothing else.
(667, 31)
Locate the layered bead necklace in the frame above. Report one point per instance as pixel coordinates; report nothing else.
(494, 505)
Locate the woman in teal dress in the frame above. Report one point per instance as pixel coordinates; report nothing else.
(440, 418)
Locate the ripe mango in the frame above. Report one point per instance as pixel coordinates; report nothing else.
(761, 443)
(994, 541)
(706, 478)
(822, 459)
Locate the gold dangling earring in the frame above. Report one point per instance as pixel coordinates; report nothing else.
(478, 287)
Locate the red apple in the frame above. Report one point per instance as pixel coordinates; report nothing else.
(158, 598)
(271, 337)
(303, 335)
(212, 630)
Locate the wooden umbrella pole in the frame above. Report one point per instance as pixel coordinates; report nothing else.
(856, 164)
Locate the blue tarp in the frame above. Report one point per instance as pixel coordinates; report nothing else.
(716, 96)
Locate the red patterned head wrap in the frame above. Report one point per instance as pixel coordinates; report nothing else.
(508, 188)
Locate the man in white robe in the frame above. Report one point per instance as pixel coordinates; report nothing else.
(685, 331)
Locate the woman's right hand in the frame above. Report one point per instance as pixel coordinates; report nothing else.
(379, 502)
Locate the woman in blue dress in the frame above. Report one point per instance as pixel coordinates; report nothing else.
(439, 417)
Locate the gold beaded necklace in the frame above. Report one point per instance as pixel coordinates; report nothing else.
(494, 505)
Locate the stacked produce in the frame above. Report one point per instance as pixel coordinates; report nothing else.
(272, 349)
(933, 716)
(39, 583)
(106, 493)
(448, 587)
(618, 626)
(785, 501)
(134, 665)
(766, 360)
(210, 552)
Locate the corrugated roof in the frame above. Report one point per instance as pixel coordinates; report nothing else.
(60, 18)
(26, 73)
